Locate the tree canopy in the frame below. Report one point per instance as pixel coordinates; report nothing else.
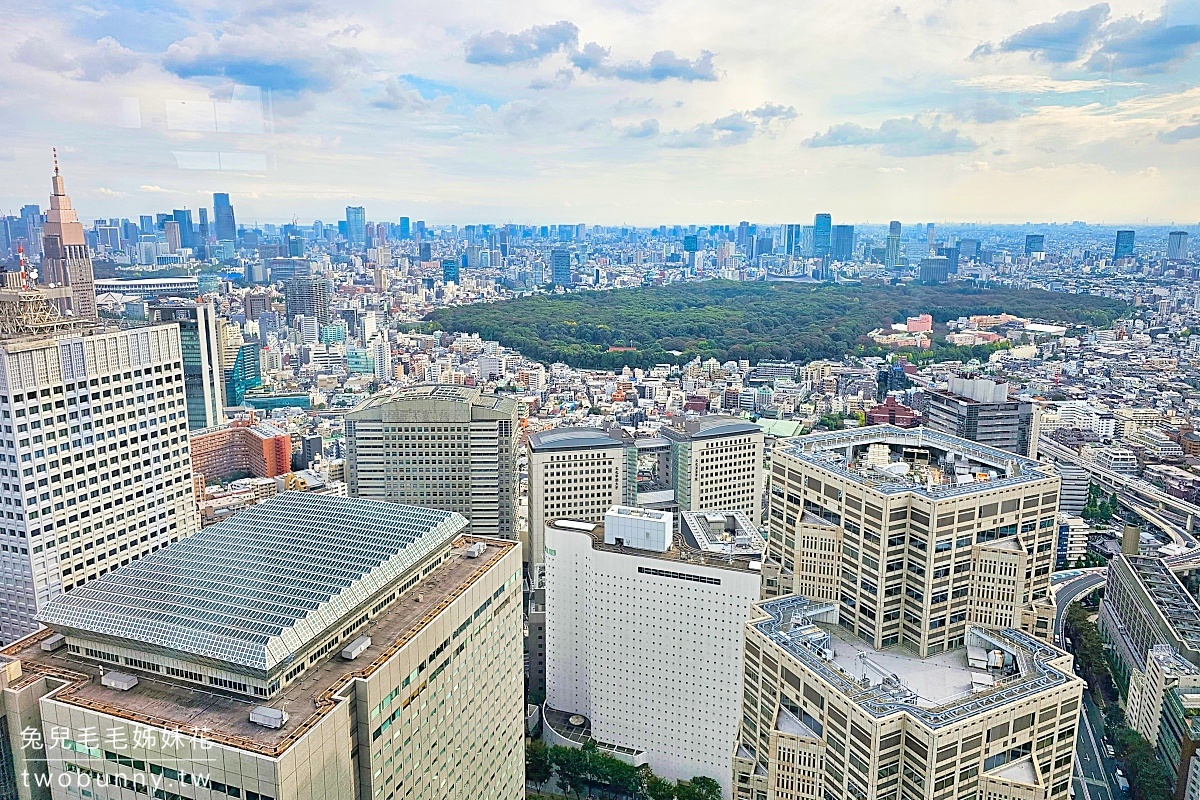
(727, 320)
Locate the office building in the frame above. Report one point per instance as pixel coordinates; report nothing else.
(309, 647)
(843, 243)
(1150, 622)
(308, 297)
(438, 446)
(225, 224)
(405, 228)
(241, 448)
(187, 231)
(450, 269)
(1124, 245)
(906, 531)
(1177, 246)
(822, 235)
(934, 270)
(560, 266)
(96, 467)
(204, 385)
(356, 225)
(891, 258)
(1076, 483)
(715, 462)
(829, 715)
(968, 249)
(980, 409)
(644, 644)
(791, 239)
(1035, 245)
(66, 262)
(577, 473)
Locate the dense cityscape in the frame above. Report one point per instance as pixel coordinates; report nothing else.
(260, 500)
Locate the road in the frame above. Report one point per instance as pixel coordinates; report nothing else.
(1093, 768)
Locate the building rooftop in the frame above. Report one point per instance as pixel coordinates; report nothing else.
(710, 427)
(1179, 606)
(157, 701)
(257, 588)
(722, 532)
(572, 438)
(443, 392)
(936, 691)
(893, 460)
(680, 550)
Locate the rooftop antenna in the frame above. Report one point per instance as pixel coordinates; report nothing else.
(54, 151)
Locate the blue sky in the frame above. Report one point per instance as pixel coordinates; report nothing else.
(614, 111)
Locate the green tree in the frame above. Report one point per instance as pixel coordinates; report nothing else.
(538, 768)
(658, 789)
(698, 788)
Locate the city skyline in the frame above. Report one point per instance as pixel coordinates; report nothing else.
(634, 113)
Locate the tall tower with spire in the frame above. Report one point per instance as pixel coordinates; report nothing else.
(66, 262)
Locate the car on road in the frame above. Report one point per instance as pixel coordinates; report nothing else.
(1108, 748)
(1122, 784)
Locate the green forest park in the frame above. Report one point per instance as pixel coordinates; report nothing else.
(725, 320)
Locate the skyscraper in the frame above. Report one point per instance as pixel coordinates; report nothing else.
(356, 225)
(822, 235)
(225, 223)
(715, 462)
(931, 238)
(891, 258)
(560, 266)
(791, 239)
(113, 484)
(1034, 243)
(643, 638)
(202, 382)
(934, 269)
(204, 231)
(843, 243)
(438, 446)
(450, 270)
(1124, 245)
(405, 228)
(187, 233)
(66, 262)
(1177, 246)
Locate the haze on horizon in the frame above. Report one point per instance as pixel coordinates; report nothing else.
(610, 112)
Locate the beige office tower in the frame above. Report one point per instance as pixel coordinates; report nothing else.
(438, 446)
(95, 467)
(914, 534)
(577, 473)
(309, 648)
(826, 714)
(66, 262)
(715, 462)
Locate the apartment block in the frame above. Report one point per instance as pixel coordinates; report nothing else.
(312, 647)
(95, 468)
(827, 714)
(241, 448)
(914, 534)
(438, 446)
(644, 643)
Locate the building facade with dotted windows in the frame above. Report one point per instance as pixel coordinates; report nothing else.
(95, 467)
(644, 645)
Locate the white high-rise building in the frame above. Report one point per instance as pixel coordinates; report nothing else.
(95, 469)
(644, 646)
